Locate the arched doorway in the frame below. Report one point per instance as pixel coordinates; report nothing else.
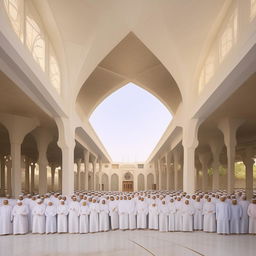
(114, 182)
(141, 182)
(128, 182)
(150, 181)
(105, 186)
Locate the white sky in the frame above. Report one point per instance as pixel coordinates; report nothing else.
(130, 122)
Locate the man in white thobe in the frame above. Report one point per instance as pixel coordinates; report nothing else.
(62, 217)
(187, 216)
(223, 216)
(153, 216)
(84, 218)
(113, 212)
(20, 218)
(123, 214)
(5, 218)
(132, 213)
(73, 217)
(103, 216)
(94, 216)
(172, 213)
(163, 217)
(142, 212)
(209, 211)
(252, 217)
(178, 215)
(38, 212)
(244, 224)
(31, 204)
(198, 216)
(50, 213)
(235, 217)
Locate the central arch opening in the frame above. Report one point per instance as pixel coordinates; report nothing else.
(130, 122)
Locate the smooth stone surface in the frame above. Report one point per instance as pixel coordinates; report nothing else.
(128, 243)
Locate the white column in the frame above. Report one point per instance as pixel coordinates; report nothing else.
(43, 138)
(229, 128)
(32, 182)
(204, 159)
(9, 176)
(249, 163)
(176, 155)
(53, 168)
(216, 146)
(78, 178)
(2, 191)
(156, 175)
(168, 170)
(86, 168)
(27, 164)
(67, 144)
(16, 168)
(160, 170)
(60, 179)
(94, 186)
(189, 143)
(100, 174)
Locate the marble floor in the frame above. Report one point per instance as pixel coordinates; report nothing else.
(130, 243)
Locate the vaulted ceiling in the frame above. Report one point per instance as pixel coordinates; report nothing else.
(176, 32)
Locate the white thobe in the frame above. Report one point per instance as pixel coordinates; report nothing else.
(50, 213)
(244, 224)
(113, 212)
(209, 210)
(123, 214)
(252, 218)
(103, 217)
(94, 217)
(31, 205)
(235, 217)
(198, 216)
(223, 217)
(178, 216)
(73, 217)
(38, 225)
(132, 214)
(153, 217)
(142, 212)
(20, 219)
(62, 218)
(172, 213)
(5, 220)
(163, 217)
(187, 217)
(84, 219)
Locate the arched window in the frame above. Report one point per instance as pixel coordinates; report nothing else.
(54, 70)
(14, 9)
(35, 41)
(206, 73)
(253, 9)
(229, 36)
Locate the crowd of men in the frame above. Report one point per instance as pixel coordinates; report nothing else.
(98, 211)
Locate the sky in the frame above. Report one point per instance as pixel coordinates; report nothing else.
(129, 123)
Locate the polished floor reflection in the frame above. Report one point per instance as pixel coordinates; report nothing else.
(129, 243)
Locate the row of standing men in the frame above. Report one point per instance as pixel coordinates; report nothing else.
(103, 211)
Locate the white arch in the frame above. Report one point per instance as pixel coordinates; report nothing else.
(141, 182)
(105, 182)
(150, 181)
(114, 182)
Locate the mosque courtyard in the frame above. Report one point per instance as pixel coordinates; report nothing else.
(127, 243)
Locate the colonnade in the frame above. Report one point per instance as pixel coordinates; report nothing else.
(178, 168)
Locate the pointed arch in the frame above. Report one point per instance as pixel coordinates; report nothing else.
(129, 61)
